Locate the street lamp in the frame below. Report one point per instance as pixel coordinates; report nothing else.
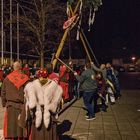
(133, 59)
(11, 29)
(18, 31)
(23, 5)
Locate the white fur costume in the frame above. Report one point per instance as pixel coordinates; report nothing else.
(39, 91)
(48, 95)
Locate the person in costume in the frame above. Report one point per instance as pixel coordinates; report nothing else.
(72, 82)
(111, 75)
(64, 78)
(51, 74)
(42, 97)
(41, 73)
(12, 95)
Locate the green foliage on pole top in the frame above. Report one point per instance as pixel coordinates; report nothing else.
(88, 3)
(70, 2)
(96, 3)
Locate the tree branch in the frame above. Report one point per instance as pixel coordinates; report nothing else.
(39, 15)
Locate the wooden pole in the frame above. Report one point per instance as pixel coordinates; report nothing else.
(83, 41)
(61, 45)
(85, 38)
(85, 47)
(65, 64)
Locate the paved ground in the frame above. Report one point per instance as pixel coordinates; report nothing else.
(133, 80)
(121, 122)
(1, 121)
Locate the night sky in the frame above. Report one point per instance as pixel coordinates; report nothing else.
(116, 31)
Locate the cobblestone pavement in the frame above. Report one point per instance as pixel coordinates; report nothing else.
(120, 122)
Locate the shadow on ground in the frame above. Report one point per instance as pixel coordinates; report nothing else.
(62, 128)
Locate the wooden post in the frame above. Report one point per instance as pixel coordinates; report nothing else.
(88, 45)
(60, 47)
(65, 64)
(85, 47)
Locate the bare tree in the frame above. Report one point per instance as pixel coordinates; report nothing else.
(40, 24)
(35, 21)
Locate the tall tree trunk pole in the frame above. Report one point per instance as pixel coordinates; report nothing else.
(61, 45)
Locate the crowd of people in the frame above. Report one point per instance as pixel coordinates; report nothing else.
(98, 83)
(32, 96)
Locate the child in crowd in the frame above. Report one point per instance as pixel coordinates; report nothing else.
(101, 90)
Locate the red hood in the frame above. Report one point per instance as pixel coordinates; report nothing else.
(18, 78)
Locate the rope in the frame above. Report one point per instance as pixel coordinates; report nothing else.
(80, 20)
(65, 64)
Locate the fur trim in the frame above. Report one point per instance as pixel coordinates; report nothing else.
(38, 115)
(39, 92)
(57, 96)
(46, 116)
(30, 95)
(49, 89)
(48, 95)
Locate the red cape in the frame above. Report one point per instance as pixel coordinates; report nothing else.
(18, 78)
